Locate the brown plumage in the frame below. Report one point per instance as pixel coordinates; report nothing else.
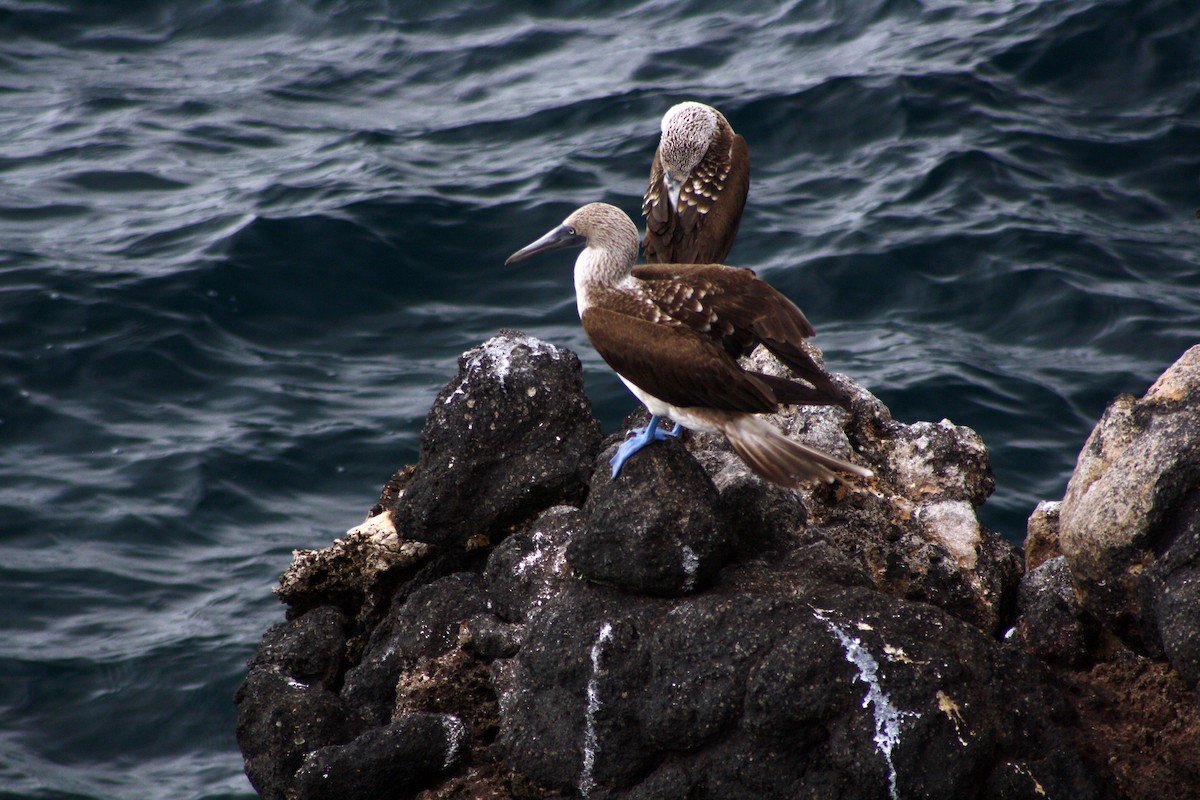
(698, 184)
(672, 333)
(744, 311)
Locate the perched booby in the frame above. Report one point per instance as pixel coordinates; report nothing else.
(672, 333)
(698, 184)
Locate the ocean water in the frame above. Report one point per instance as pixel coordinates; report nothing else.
(243, 243)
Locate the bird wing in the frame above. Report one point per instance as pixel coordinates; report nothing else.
(702, 228)
(674, 364)
(721, 223)
(656, 208)
(723, 300)
(735, 307)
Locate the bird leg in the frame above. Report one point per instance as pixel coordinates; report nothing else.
(639, 438)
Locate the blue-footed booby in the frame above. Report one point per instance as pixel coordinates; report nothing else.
(672, 333)
(698, 184)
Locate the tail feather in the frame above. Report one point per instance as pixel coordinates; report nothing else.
(790, 393)
(780, 460)
(795, 356)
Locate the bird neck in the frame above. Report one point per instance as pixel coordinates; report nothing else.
(598, 268)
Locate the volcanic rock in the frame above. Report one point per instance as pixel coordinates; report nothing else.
(512, 434)
(513, 622)
(1130, 520)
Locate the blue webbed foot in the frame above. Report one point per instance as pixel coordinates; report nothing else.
(640, 438)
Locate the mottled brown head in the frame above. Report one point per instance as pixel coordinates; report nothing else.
(697, 190)
(598, 226)
(607, 228)
(687, 131)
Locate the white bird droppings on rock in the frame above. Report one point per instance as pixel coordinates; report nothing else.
(495, 356)
(586, 780)
(456, 734)
(887, 716)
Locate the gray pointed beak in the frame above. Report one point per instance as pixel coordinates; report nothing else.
(560, 237)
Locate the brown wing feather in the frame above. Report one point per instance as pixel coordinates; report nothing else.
(726, 215)
(793, 393)
(701, 230)
(690, 236)
(736, 296)
(656, 208)
(675, 364)
(748, 311)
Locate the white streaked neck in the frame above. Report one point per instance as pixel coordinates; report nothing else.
(597, 267)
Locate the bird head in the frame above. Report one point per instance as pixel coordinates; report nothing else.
(596, 225)
(687, 131)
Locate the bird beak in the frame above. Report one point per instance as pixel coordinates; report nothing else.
(560, 237)
(674, 186)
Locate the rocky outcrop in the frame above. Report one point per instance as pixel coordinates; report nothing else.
(657, 529)
(779, 683)
(1112, 595)
(511, 621)
(1130, 521)
(513, 434)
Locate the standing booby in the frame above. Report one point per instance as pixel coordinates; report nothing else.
(698, 184)
(672, 333)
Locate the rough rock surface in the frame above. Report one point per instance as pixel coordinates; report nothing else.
(512, 434)
(1041, 537)
(913, 528)
(778, 684)
(1050, 623)
(288, 706)
(423, 624)
(656, 529)
(687, 630)
(394, 760)
(1130, 520)
(1140, 715)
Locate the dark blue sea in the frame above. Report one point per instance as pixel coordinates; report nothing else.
(242, 244)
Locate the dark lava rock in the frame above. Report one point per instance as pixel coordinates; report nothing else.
(688, 630)
(1050, 622)
(490, 637)
(511, 435)
(282, 720)
(383, 763)
(1174, 589)
(768, 686)
(286, 708)
(762, 517)
(527, 568)
(310, 648)
(655, 528)
(424, 624)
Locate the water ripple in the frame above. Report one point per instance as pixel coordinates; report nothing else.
(243, 244)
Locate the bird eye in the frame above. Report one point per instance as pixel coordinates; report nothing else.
(570, 231)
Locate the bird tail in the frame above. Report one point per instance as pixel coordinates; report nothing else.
(803, 365)
(792, 393)
(780, 460)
